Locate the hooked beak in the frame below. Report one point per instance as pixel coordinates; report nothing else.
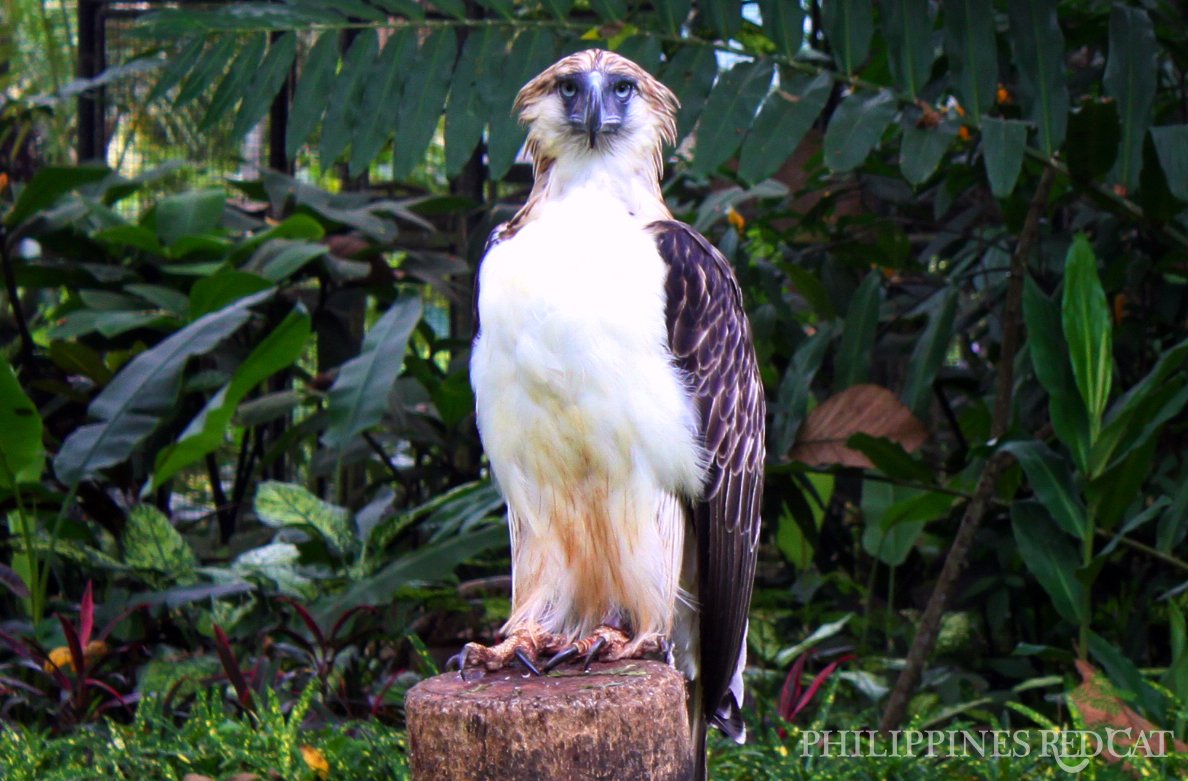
(592, 113)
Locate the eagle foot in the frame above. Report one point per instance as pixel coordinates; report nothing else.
(523, 645)
(607, 644)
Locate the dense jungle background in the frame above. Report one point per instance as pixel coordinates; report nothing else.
(244, 502)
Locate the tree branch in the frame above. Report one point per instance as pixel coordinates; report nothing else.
(975, 511)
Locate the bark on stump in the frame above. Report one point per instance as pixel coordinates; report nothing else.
(622, 720)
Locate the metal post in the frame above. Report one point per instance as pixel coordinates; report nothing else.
(92, 59)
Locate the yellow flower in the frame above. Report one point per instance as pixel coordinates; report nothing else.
(60, 659)
(316, 761)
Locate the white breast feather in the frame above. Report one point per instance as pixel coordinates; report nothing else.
(589, 430)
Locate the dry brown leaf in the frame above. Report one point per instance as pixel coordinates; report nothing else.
(861, 409)
(1100, 706)
(244, 777)
(196, 777)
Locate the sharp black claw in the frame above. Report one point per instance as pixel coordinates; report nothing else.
(599, 644)
(458, 660)
(524, 660)
(561, 657)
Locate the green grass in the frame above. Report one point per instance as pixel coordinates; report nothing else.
(213, 743)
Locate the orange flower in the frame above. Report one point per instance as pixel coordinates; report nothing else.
(737, 220)
(3, 181)
(316, 761)
(1003, 95)
(963, 133)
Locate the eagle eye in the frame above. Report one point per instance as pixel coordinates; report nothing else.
(623, 89)
(567, 88)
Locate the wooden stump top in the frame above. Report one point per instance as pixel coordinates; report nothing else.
(621, 720)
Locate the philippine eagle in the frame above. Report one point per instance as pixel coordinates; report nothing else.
(618, 400)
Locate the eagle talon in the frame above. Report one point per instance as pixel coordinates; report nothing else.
(599, 644)
(527, 662)
(561, 657)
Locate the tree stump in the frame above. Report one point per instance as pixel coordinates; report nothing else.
(621, 720)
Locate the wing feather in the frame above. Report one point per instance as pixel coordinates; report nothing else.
(710, 340)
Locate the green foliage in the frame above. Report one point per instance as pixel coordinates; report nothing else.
(215, 363)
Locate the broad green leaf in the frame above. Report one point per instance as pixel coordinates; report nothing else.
(812, 290)
(795, 390)
(422, 99)
(47, 186)
(929, 353)
(690, 75)
(469, 106)
(382, 98)
(286, 504)
(188, 214)
(783, 22)
(853, 356)
(973, 58)
(1131, 78)
(207, 430)
(673, 14)
(203, 75)
(1052, 481)
(212, 293)
(234, 84)
(1113, 492)
(907, 25)
(1003, 141)
(1162, 406)
(434, 562)
(129, 408)
(265, 84)
(890, 458)
(1052, 559)
(786, 116)
(1173, 525)
(643, 50)
(1120, 423)
(313, 91)
(152, 543)
(276, 562)
(925, 507)
(280, 259)
(1038, 45)
(1123, 673)
(856, 127)
(823, 632)
(849, 25)
(922, 148)
(790, 537)
(359, 396)
(729, 112)
(889, 544)
(173, 301)
(1171, 143)
(724, 16)
(22, 457)
(532, 52)
(342, 114)
(1085, 316)
(1049, 358)
(178, 67)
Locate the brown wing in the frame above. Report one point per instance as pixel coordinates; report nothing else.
(710, 338)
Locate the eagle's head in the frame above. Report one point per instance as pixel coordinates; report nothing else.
(597, 103)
